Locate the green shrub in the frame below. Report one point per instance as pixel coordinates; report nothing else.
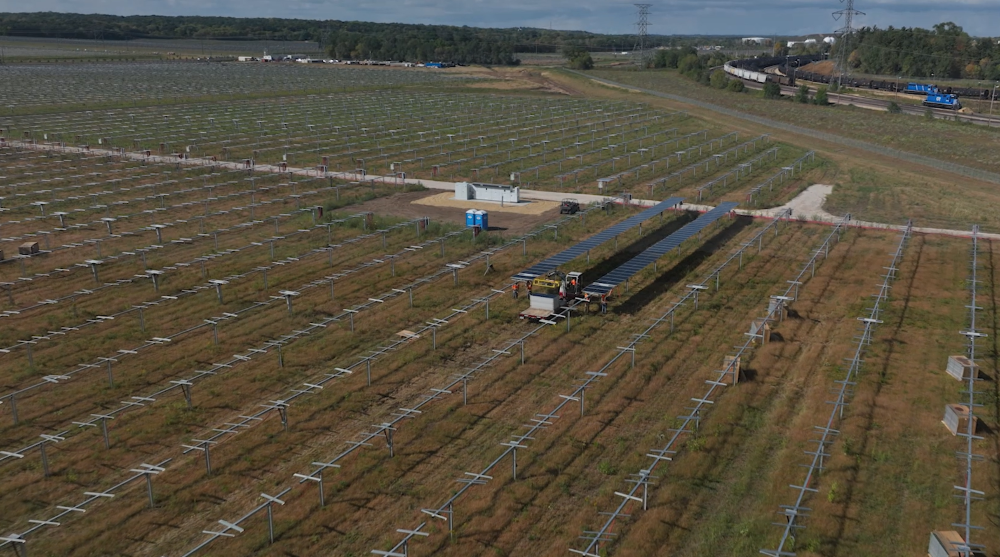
(584, 62)
(736, 86)
(688, 63)
(607, 468)
(772, 90)
(802, 95)
(719, 79)
(894, 108)
(578, 57)
(820, 97)
(668, 58)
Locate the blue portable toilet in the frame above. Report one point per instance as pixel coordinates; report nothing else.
(482, 220)
(470, 218)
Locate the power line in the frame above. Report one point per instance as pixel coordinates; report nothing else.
(641, 26)
(848, 14)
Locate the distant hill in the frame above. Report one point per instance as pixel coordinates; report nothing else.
(342, 39)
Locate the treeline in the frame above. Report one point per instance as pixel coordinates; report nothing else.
(702, 68)
(944, 51)
(118, 28)
(549, 40)
(342, 40)
(689, 62)
(419, 43)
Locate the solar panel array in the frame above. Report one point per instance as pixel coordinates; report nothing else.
(657, 250)
(550, 264)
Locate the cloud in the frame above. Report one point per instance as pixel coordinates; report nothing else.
(768, 17)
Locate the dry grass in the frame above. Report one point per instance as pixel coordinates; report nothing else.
(147, 433)
(960, 143)
(887, 485)
(929, 196)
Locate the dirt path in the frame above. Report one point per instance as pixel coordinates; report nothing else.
(808, 206)
(809, 201)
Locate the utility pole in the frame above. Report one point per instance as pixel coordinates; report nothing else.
(848, 14)
(641, 26)
(993, 97)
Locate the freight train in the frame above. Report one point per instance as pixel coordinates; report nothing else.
(752, 69)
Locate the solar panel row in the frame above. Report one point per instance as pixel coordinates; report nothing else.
(628, 269)
(545, 267)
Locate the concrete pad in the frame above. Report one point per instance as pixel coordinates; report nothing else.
(447, 199)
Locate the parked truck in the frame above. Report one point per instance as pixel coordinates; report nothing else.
(569, 206)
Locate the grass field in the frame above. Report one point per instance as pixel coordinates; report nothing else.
(277, 386)
(966, 143)
(576, 144)
(873, 188)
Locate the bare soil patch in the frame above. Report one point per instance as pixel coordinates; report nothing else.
(824, 67)
(524, 80)
(447, 199)
(417, 204)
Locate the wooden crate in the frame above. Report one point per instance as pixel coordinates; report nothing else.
(956, 419)
(961, 368)
(782, 313)
(943, 544)
(28, 248)
(761, 329)
(732, 375)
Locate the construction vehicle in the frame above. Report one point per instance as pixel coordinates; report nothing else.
(569, 206)
(548, 294)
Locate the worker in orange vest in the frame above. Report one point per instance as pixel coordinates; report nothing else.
(529, 287)
(513, 290)
(604, 304)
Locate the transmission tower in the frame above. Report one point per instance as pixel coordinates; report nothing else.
(641, 25)
(844, 51)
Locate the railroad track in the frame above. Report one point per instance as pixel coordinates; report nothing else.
(879, 104)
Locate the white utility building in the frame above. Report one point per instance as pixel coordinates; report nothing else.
(474, 191)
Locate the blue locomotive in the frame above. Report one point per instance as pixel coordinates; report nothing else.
(935, 98)
(921, 89)
(942, 101)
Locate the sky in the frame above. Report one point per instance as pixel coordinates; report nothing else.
(727, 17)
